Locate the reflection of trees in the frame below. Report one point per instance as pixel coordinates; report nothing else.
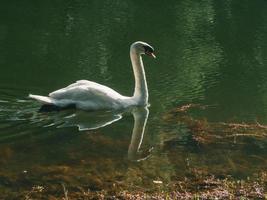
(105, 19)
(194, 57)
(58, 38)
(260, 55)
(238, 28)
(201, 53)
(216, 51)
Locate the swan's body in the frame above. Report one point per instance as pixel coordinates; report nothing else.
(89, 95)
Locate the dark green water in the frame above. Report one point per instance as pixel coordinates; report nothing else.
(208, 52)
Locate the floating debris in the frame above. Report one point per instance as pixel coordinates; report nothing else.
(157, 182)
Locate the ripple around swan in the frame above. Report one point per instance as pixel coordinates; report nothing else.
(21, 116)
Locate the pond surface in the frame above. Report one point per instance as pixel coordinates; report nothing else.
(209, 53)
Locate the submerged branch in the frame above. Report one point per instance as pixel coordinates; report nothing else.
(204, 131)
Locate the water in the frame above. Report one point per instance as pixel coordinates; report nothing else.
(208, 53)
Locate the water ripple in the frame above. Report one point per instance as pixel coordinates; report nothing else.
(19, 117)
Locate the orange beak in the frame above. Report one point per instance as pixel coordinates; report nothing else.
(151, 54)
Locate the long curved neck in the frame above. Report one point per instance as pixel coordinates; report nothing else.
(140, 90)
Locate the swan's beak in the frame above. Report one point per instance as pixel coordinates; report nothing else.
(151, 54)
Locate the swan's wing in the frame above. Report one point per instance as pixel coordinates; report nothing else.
(84, 90)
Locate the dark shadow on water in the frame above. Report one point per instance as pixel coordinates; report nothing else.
(53, 108)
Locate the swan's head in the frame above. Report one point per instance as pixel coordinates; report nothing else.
(143, 48)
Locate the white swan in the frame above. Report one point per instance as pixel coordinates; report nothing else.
(88, 95)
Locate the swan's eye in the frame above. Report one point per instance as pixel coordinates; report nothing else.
(148, 49)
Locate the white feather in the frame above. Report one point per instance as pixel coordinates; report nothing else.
(42, 99)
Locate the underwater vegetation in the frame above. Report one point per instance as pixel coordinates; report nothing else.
(194, 159)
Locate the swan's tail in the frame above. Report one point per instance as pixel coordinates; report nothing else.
(42, 99)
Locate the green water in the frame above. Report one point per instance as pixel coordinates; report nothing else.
(208, 52)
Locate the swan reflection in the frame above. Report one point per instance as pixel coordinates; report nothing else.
(140, 119)
(94, 120)
(86, 121)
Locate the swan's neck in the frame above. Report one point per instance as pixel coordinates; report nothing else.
(140, 90)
